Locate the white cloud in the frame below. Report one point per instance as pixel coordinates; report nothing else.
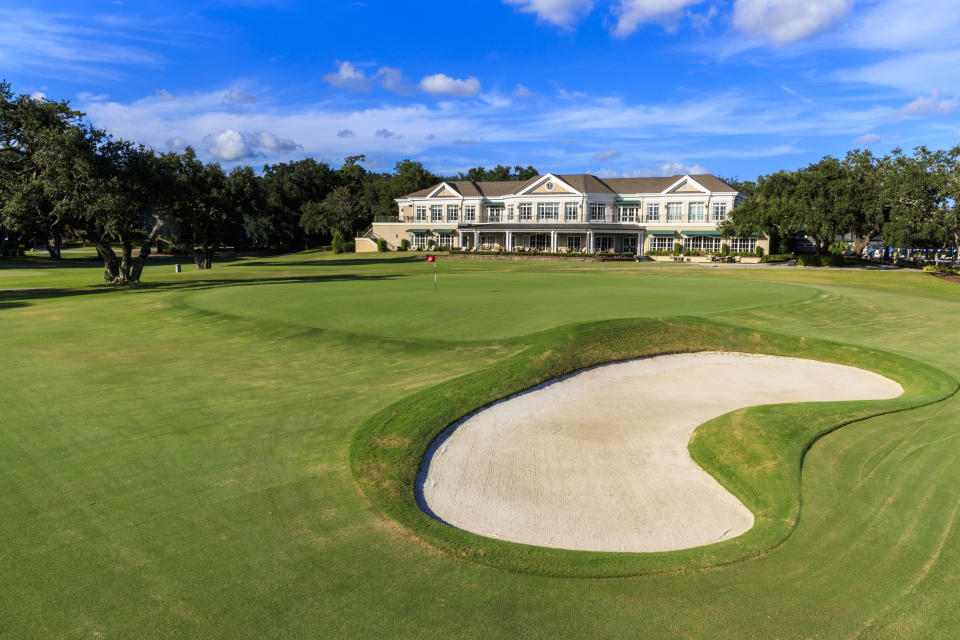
(228, 145)
(923, 107)
(176, 144)
(562, 13)
(631, 14)
(605, 155)
(663, 169)
(330, 130)
(266, 140)
(913, 72)
(441, 84)
(521, 91)
(786, 21)
(348, 77)
(231, 145)
(392, 79)
(39, 96)
(61, 45)
(868, 139)
(236, 96)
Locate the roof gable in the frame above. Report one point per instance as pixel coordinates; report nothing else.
(686, 184)
(548, 184)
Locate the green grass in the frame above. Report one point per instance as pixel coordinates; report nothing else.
(175, 457)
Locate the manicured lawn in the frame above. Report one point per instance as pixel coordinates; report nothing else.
(175, 457)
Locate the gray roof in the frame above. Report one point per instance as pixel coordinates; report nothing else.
(583, 182)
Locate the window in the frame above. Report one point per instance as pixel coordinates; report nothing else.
(421, 214)
(629, 244)
(628, 213)
(743, 244)
(653, 212)
(445, 240)
(436, 213)
(538, 241)
(470, 213)
(603, 243)
(509, 213)
(548, 211)
(453, 212)
(598, 212)
(495, 214)
(696, 212)
(573, 242)
(674, 211)
(420, 239)
(661, 243)
(719, 211)
(488, 240)
(571, 212)
(525, 211)
(702, 243)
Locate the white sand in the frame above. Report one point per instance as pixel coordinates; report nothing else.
(598, 461)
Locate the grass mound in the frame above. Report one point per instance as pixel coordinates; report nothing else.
(756, 453)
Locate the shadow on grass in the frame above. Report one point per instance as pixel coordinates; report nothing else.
(11, 297)
(339, 262)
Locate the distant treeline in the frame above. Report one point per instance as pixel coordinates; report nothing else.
(62, 179)
(908, 201)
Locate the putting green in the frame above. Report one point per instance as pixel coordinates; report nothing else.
(512, 303)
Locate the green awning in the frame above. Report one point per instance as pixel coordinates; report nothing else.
(493, 204)
(628, 202)
(661, 233)
(701, 233)
(443, 231)
(418, 230)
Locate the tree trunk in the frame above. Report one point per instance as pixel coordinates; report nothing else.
(55, 242)
(860, 243)
(111, 264)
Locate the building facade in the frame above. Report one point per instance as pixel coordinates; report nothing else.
(568, 213)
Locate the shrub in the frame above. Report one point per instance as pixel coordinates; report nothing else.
(786, 246)
(338, 244)
(724, 248)
(831, 260)
(404, 245)
(677, 248)
(381, 245)
(430, 243)
(759, 251)
(809, 260)
(777, 257)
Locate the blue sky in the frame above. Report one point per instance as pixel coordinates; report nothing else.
(614, 88)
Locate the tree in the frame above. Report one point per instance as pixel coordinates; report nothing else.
(199, 206)
(30, 131)
(340, 211)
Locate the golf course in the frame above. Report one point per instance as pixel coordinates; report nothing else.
(234, 453)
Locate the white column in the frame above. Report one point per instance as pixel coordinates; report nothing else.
(509, 241)
(640, 243)
(553, 241)
(590, 241)
(476, 240)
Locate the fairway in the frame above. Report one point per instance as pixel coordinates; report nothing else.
(175, 457)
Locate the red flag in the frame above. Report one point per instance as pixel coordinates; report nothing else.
(431, 258)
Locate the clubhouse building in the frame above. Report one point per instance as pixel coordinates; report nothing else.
(567, 213)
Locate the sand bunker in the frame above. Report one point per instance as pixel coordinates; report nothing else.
(598, 461)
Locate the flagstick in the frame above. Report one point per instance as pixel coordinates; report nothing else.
(434, 275)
